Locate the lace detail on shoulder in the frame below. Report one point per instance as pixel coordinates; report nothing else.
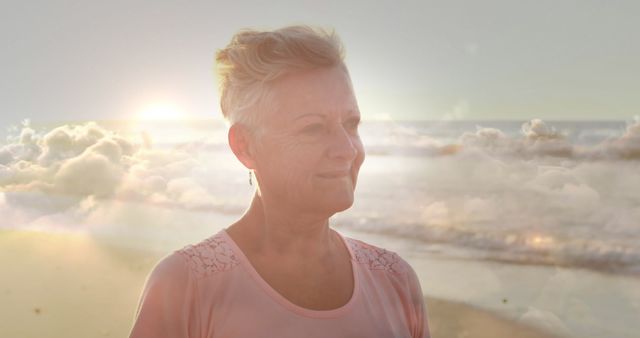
(212, 255)
(376, 258)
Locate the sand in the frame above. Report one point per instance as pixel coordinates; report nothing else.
(457, 320)
(70, 285)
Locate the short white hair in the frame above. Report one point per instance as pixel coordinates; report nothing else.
(253, 60)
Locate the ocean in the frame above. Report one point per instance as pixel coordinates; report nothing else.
(534, 192)
(536, 220)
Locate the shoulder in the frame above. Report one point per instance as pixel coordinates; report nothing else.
(170, 271)
(169, 295)
(169, 281)
(170, 264)
(377, 258)
(212, 255)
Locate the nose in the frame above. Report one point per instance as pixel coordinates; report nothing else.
(342, 145)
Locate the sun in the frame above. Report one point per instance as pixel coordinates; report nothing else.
(160, 112)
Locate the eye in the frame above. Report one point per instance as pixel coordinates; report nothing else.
(353, 124)
(315, 128)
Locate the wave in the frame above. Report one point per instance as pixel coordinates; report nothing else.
(528, 247)
(534, 138)
(527, 192)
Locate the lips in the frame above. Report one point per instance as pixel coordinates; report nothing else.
(334, 174)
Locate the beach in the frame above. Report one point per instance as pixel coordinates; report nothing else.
(478, 209)
(493, 146)
(459, 320)
(77, 285)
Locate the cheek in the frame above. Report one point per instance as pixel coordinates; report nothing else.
(360, 156)
(285, 179)
(357, 162)
(294, 168)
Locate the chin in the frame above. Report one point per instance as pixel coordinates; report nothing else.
(341, 208)
(342, 204)
(330, 206)
(330, 200)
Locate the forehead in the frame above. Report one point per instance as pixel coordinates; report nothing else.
(324, 91)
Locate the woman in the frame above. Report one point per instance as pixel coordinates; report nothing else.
(280, 270)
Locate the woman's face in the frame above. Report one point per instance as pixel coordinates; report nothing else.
(310, 152)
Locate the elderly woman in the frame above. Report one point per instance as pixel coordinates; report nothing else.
(280, 270)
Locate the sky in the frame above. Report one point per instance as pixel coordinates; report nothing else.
(429, 60)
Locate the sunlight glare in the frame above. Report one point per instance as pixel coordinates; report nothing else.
(161, 111)
(540, 241)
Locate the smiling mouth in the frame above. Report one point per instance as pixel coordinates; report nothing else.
(335, 174)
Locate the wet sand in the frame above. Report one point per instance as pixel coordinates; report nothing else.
(457, 320)
(69, 285)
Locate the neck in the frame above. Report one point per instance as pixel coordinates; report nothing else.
(276, 230)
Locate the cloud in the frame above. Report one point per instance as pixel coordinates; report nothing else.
(69, 141)
(490, 139)
(75, 166)
(90, 174)
(538, 139)
(511, 198)
(536, 129)
(396, 138)
(528, 196)
(624, 147)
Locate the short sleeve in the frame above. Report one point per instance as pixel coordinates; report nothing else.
(167, 302)
(420, 326)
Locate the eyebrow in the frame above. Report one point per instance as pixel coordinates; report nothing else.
(309, 114)
(351, 112)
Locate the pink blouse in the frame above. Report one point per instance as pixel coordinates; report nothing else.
(211, 290)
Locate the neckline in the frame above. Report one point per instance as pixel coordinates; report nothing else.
(284, 301)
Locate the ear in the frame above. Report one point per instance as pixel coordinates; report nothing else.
(241, 143)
